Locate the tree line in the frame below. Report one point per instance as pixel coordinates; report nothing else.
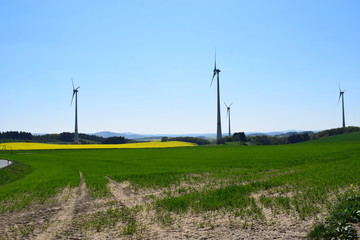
(65, 137)
(288, 138)
(241, 138)
(267, 140)
(196, 140)
(275, 140)
(335, 131)
(16, 135)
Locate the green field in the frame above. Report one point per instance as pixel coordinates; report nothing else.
(301, 178)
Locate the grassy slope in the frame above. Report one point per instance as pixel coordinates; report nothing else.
(347, 137)
(310, 170)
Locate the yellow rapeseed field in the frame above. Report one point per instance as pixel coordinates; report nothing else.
(44, 146)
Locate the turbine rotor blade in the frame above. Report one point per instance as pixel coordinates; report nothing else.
(340, 92)
(212, 78)
(215, 70)
(72, 98)
(73, 83)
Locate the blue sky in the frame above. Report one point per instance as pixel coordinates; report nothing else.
(146, 66)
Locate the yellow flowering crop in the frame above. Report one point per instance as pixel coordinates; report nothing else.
(44, 146)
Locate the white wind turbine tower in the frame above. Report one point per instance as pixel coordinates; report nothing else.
(218, 129)
(341, 95)
(75, 91)
(228, 116)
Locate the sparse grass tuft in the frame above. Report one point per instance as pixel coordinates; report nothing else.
(338, 224)
(102, 220)
(165, 218)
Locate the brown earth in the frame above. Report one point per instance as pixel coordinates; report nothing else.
(129, 214)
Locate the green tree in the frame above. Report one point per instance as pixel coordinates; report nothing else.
(239, 137)
(66, 137)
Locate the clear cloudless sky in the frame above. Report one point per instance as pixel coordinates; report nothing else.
(146, 66)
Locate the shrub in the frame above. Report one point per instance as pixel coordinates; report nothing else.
(199, 141)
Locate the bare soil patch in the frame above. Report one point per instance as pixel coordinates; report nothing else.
(129, 214)
(123, 193)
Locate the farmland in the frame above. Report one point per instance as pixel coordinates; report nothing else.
(41, 146)
(226, 191)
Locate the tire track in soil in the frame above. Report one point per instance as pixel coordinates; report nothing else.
(122, 193)
(63, 218)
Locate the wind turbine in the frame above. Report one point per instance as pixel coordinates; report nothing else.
(228, 116)
(218, 131)
(75, 91)
(341, 95)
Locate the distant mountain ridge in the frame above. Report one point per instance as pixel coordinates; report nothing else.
(285, 133)
(106, 134)
(130, 135)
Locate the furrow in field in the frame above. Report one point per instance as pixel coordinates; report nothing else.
(123, 193)
(63, 217)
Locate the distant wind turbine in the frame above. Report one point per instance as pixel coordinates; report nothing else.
(228, 116)
(341, 95)
(218, 132)
(75, 91)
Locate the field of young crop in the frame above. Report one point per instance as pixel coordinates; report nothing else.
(219, 192)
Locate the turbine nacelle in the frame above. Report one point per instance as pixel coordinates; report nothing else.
(75, 91)
(228, 116)
(341, 93)
(228, 109)
(216, 71)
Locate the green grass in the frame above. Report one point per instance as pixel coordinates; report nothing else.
(14, 172)
(310, 171)
(107, 219)
(229, 197)
(338, 224)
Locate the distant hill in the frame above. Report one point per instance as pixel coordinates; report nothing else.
(288, 134)
(285, 133)
(349, 136)
(136, 136)
(254, 138)
(107, 134)
(335, 131)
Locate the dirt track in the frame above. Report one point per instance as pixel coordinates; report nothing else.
(74, 215)
(45, 221)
